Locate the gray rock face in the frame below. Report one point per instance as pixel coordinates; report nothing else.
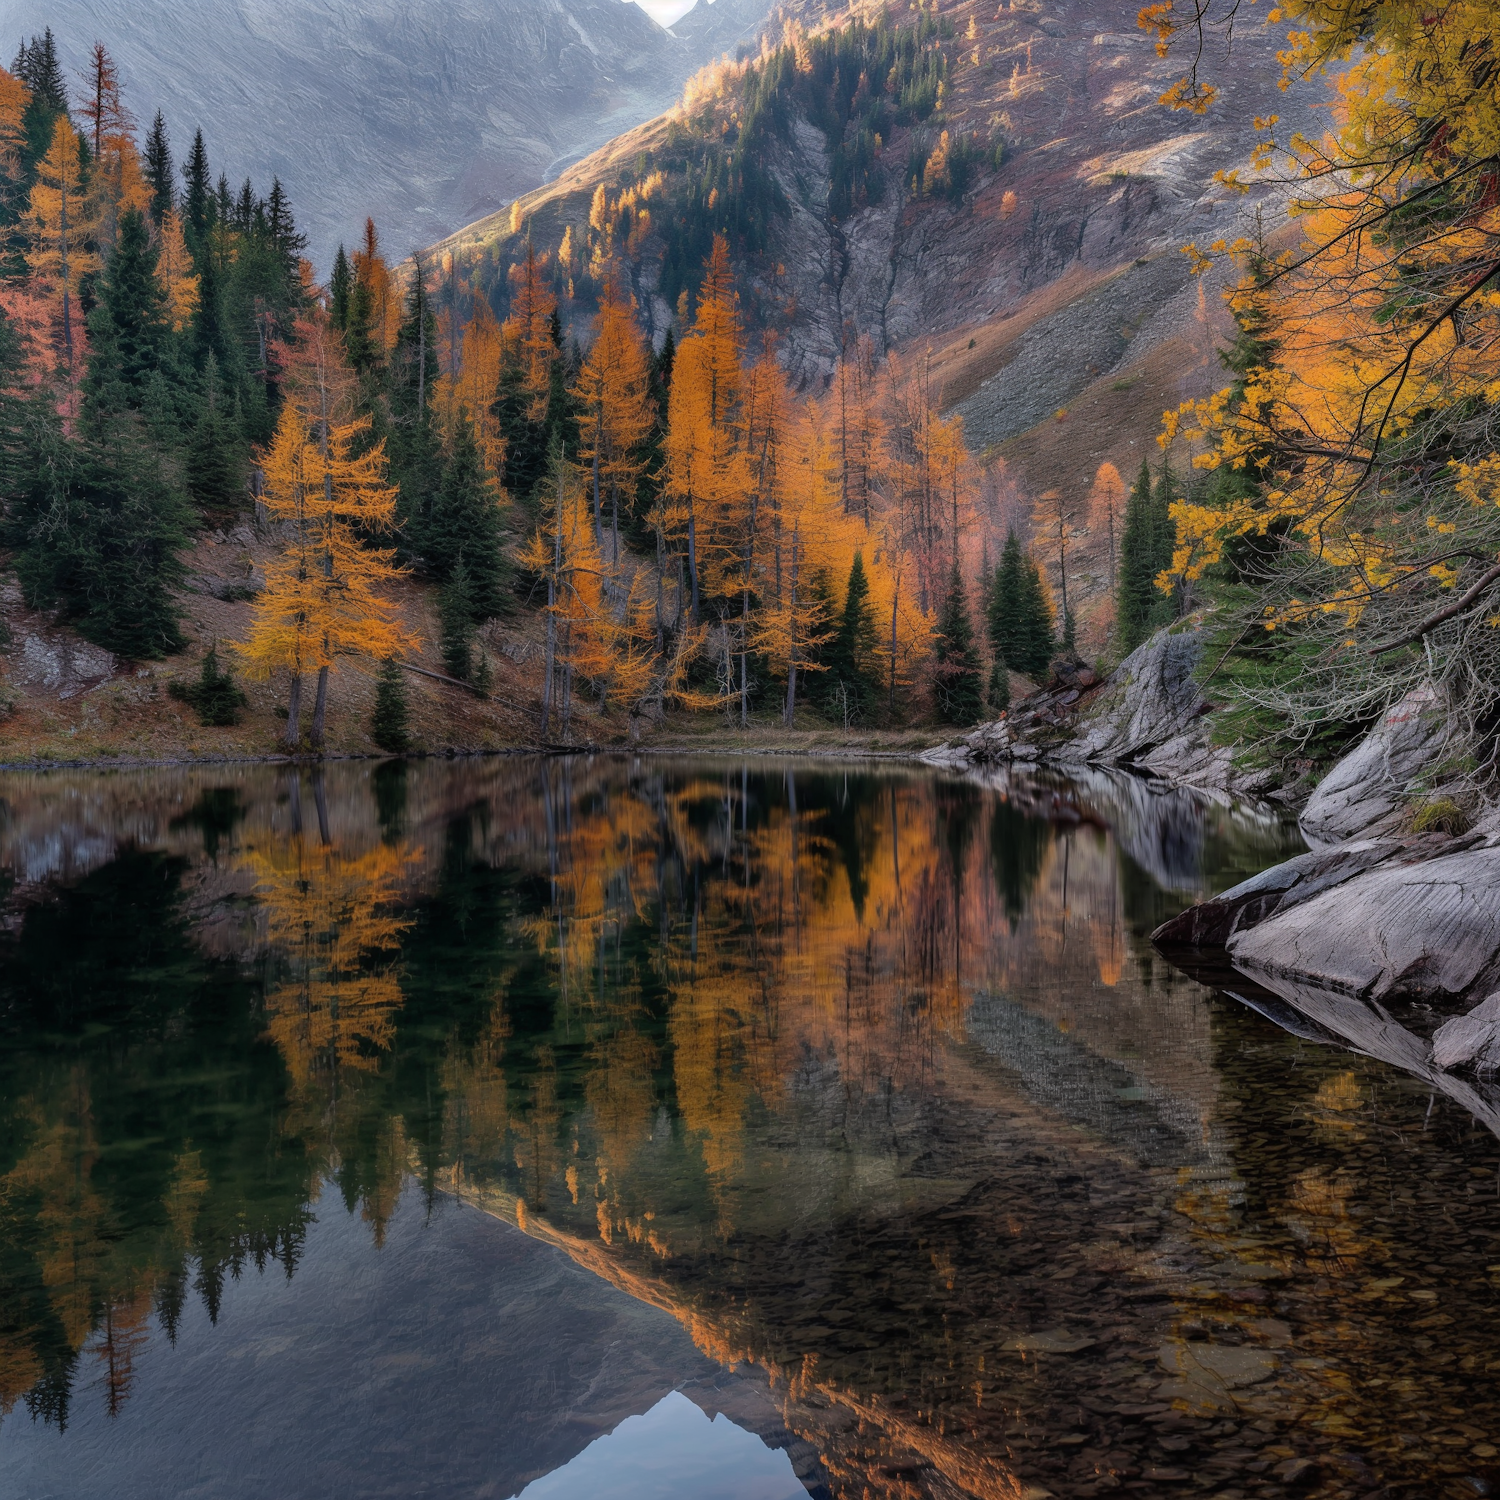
(59, 663)
(1151, 717)
(422, 113)
(1430, 929)
(1365, 792)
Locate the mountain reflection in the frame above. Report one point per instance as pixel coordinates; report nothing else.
(870, 1078)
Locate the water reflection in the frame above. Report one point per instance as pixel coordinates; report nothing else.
(868, 1080)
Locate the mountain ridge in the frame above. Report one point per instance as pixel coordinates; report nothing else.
(423, 116)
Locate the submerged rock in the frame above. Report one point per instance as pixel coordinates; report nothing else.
(1366, 792)
(1474, 1038)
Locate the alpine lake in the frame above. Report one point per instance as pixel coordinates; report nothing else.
(611, 1128)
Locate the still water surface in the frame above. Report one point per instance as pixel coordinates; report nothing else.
(639, 1128)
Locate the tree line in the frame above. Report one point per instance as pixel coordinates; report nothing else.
(694, 532)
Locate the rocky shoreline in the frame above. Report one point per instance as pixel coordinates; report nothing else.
(1381, 937)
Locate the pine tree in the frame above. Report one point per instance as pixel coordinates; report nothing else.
(198, 201)
(957, 680)
(463, 525)
(340, 288)
(389, 724)
(159, 171)
(1007, 630)
(215, 696)
(852, 678)
(999, 688)
(215, 454)
(456, 612)
(130, 329)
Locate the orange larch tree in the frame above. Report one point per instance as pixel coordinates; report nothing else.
(322, 598)
(613, 390)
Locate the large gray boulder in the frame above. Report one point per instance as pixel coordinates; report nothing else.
(1367, 791)
(1428, 929)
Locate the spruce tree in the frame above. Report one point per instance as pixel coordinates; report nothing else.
(97, 524)
(999, 689)
(1145, 551)
(959, 686)
(851, 679)
(198, 200)
(215, 696)
(389, 724)
(159, 172)
(463, 526)
(129, 329)
(1007, 631)
(456, 614)
(37, 67)
(286, 242)
(215, 453)
(340, 286)
(1036, 622)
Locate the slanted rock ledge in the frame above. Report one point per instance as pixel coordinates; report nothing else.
(1148, 716)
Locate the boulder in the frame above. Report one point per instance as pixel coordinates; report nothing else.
(1366, 792)
(1213, 923)
(1429, 929)
(59, 663)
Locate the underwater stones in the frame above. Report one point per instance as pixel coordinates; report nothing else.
(1205, 1374)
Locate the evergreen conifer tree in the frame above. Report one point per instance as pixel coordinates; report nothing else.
(37, 67)
(456, 613)
(215, 454)
(463, 526)
(340, 288)
(1145, 551)
(159, 172)
(999, 689)
(129, 329)
(198, 200)
(851, 681)
(97, 525)
(286, 242)
(1007, 631)
(959, 687)
(215, 696)
(1036, 622)
(390, 722)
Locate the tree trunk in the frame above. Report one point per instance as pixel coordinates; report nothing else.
(320, 709)
(693, 563)
(293, 734)
(791, 672)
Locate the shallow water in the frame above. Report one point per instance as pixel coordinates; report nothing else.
(622, 1128)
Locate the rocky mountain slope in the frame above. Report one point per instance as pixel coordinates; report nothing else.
(423, 113)
(1052, 294)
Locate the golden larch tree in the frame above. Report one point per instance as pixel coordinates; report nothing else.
(59, 234)
(613, 390)
(322, 599)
